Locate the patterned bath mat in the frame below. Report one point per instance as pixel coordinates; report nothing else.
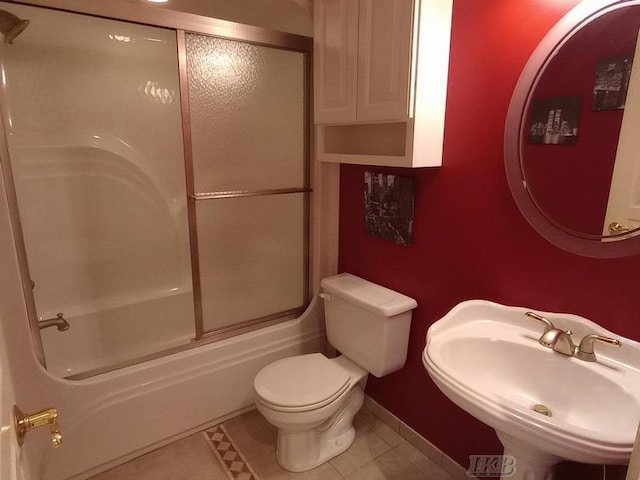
(232, 461)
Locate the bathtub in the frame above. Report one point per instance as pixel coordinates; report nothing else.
(121, 414)
(107, 418)
(111, 417)
(118, 332)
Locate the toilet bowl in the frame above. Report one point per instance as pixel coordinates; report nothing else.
(312, 399)
(314, 418)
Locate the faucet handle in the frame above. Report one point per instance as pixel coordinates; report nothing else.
(546, 321)
(585, 349)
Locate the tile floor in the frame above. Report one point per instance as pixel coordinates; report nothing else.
(378, 453)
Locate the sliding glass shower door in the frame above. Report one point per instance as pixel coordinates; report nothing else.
(92, 115)
(247, 115)
(162, 185)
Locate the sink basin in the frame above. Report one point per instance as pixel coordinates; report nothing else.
(486, 358)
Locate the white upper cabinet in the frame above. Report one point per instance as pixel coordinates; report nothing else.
(384, 56)
(380, 84)
(335, 53)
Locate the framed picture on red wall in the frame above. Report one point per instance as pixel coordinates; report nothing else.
(612, 83)
(389, 206)
(554, 120)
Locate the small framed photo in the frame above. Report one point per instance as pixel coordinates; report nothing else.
(389, 206)
(612, 83)
(554, 120)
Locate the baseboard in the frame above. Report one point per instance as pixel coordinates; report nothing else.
(436, 455)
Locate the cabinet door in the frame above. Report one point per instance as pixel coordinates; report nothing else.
(335, 54)
(384, 59)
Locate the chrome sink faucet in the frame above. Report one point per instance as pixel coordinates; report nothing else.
(560, 340)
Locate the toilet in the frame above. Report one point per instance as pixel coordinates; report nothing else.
(312, 399)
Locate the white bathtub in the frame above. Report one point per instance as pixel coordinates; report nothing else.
(116, 333)
(123, 413)
(111, 417)
(108, 418)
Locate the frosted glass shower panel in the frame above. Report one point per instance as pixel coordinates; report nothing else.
(94, 126)
(251, 257)
(247, 115)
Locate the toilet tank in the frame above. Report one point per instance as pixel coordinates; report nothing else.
(367, 323)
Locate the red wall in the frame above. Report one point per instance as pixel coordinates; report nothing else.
(470, 240)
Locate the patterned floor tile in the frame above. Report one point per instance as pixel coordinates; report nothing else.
(232, 460)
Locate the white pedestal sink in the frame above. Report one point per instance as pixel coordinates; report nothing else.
(486, 358)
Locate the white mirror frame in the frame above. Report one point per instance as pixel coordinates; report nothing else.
(573, 21)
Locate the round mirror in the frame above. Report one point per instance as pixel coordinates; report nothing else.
(572, 140)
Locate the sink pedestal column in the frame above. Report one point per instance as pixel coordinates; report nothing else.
(531, 464)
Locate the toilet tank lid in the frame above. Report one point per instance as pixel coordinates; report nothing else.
(370, 296)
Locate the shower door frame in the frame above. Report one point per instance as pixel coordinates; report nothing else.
(174, 20)
(194, 197)
(182, 23)
(14, 215)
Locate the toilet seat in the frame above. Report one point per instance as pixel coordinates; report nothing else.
(301, 383)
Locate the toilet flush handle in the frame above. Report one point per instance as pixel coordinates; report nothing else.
(325, 296)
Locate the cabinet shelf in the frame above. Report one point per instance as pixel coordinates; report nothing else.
(367, 144)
